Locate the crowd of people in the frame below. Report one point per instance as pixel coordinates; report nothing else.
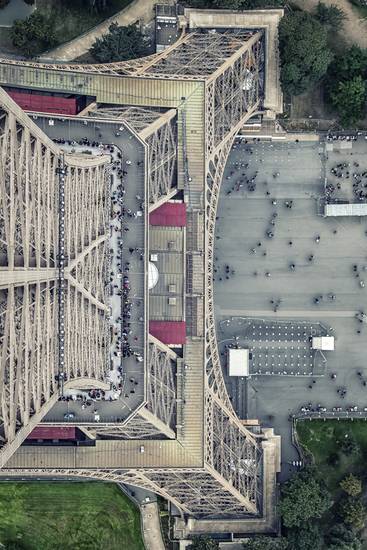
(126, 206)
(222, 272)
(125, 341)
(344, 172)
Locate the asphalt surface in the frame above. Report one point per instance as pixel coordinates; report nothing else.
(260, 289)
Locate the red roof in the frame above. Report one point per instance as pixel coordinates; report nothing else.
(53, 432)
(168, 332)
(170, 214)
(44, 103)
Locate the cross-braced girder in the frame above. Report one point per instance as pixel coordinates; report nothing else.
(28, 362)
(237, 90)
(158, 129)
(161, 386)
(201, 53)
(136, 428)
(29, 215)
(195, 56)
(137, 117)
(162, 160)
(235, 454)
(234, 93)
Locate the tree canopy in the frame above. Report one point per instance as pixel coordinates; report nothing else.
(346, 91)
(352, 485)
(353, 512)
(308, 537)
(266, 543)
(120, 44)
(330, 15)
(352, 63)
(203, 543)
(304, 52)
(303, 497)
(349, 100)
(33, 35)
(236, 4)
(341, 537)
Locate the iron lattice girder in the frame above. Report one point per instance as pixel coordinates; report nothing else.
(157, 417)
(28, 236)
(161, 385)
(235, 455)
(136, 428)
(195, 56)
(200, 53)
(237, 90)
(28, 278)
(28, 352)
(232, 95)
(138, 118)
(158, 130)
(162, 160)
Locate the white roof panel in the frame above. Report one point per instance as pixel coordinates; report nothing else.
(346, 209)
(238, 362)
(325, 343)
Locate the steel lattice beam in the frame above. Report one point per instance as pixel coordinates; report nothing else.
(28, 275)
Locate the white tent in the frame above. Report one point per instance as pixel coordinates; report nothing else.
(238, 362)
(325, 343)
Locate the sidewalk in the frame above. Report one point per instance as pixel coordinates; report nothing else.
(151, 527)
(142, 10)
(149, 515)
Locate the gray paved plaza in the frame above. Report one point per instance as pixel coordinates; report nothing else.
(283, 270)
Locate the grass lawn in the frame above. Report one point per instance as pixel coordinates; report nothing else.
(68, 516)
(73, 17)
(323, 440)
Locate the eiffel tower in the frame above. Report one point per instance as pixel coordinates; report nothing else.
(183, 106)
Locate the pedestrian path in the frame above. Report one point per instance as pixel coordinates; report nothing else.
(138, 10)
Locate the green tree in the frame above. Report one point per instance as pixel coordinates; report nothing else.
(331, 16)
(33, 35)
(3, 3)
(349, 99)
(258, 4)
(352, 511)
(346, 91)
(203, 543)
(305, 538)
(236, 4)
(304, 52)
(341, 537)
(303, 497)
(349, 445)
(98, 5)
(352, 485)
(266, 543)
(352, 63)
(119, 44)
